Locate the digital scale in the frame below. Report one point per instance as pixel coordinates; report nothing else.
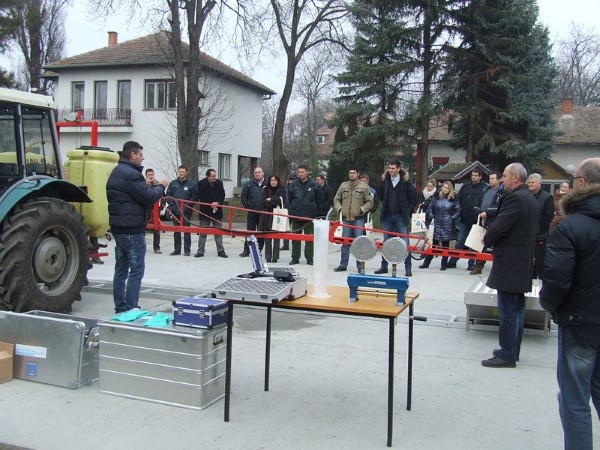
(262, 285)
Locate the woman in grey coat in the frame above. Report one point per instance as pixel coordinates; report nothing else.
(444, 210)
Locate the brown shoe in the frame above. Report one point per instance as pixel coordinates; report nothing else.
(475, 271)
(244, 254)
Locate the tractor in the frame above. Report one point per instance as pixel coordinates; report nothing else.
(44, 242)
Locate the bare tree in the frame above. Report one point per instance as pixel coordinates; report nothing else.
(39, 37)
(302, 26)
(268, 127)
(578, 60)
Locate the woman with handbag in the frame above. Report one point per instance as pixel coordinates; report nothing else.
(444, 210)
(273, 196)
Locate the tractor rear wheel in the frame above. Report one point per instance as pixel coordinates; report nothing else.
(44, 256)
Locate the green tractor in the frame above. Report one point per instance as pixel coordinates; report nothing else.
(44, 243)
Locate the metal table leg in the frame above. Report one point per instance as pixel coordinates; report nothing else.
(390, 423)
(228, 359)
(410, 350)
(268, 348)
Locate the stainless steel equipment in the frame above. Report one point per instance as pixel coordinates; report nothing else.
(52, 348)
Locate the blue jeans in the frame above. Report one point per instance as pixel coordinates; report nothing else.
(578, 374)
(511, 306)
(463, 231)
(351, 233)
(396, 224)
(129, 270)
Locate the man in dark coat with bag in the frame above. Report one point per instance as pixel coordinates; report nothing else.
(210, 190)
(512, 236)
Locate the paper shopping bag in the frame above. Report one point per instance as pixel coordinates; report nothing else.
(475, 237)
(369, 225)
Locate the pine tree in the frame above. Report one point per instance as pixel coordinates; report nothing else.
(376, 73)
(499, 83)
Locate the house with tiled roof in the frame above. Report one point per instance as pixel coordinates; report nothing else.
(129, 89)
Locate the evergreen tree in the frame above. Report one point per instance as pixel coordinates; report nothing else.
(499, 83)
(377, 71)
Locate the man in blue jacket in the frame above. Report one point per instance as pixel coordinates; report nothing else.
(181, 188)
(571, 293)
(130, 200)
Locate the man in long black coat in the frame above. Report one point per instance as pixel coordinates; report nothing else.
(512, 236)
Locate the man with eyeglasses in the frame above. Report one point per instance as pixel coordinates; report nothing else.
(571, 293)
(252, 194)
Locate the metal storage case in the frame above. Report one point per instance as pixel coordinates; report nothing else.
(52, 348)
(482, 306)
(177, 366)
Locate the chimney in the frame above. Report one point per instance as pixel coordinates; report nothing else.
(112, 38)
(567, 107)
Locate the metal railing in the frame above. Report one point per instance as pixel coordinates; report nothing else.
(106, 117)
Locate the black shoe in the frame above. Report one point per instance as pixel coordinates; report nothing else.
(340, 269)
(451, 266)
(408, 273)
(244, 254)
(285, 248)
(222, 255)
(469, 268)
(157, 251)
(443, 268)
(381, 270)
(496, 352)
(199, 255)
(309, 262)
(423, 266)
(475, 271)
(274, 261)
(187, 254)
(497, 362)
(269, 260)
(294, 261)
(175, 253)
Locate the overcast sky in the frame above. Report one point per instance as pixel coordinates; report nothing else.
(84, 36)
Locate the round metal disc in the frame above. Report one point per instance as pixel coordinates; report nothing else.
(395, 250)
(363, 248)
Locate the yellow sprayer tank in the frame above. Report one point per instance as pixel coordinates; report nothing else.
(90, 167)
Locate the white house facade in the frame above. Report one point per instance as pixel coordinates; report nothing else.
(129, 90)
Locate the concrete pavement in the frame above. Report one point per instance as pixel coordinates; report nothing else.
(328, 376)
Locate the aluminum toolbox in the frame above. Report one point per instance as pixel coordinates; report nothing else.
(261, 289)
(177, 366)
(482, 307)
(199, 312)
(52, 348)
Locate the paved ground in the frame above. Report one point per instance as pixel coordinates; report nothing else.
(328, 377)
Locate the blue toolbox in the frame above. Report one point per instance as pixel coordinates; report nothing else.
(195, 312)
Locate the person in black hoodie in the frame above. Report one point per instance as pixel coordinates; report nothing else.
(571, 293)
(545, 203)
(273, 196)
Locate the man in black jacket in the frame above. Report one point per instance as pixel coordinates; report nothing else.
(328, 196)
(571, 293)
(210, 190)
(398, 198)
(545, 205)
(181, 213)
(130, 200)
(469, 198)
(252, 193)
(512, 236)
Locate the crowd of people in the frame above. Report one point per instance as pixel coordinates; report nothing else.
(529, 232)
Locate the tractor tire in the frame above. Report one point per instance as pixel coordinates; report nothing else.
(44, 256)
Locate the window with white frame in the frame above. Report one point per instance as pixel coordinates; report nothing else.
(77, 95)
(160, 95)
(100, 98)
(321, 139)
(224, 166)
(203, 157)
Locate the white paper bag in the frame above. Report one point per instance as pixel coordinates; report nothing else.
(280, 223)
(369, 225)
(429, 232)
(475, 237)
